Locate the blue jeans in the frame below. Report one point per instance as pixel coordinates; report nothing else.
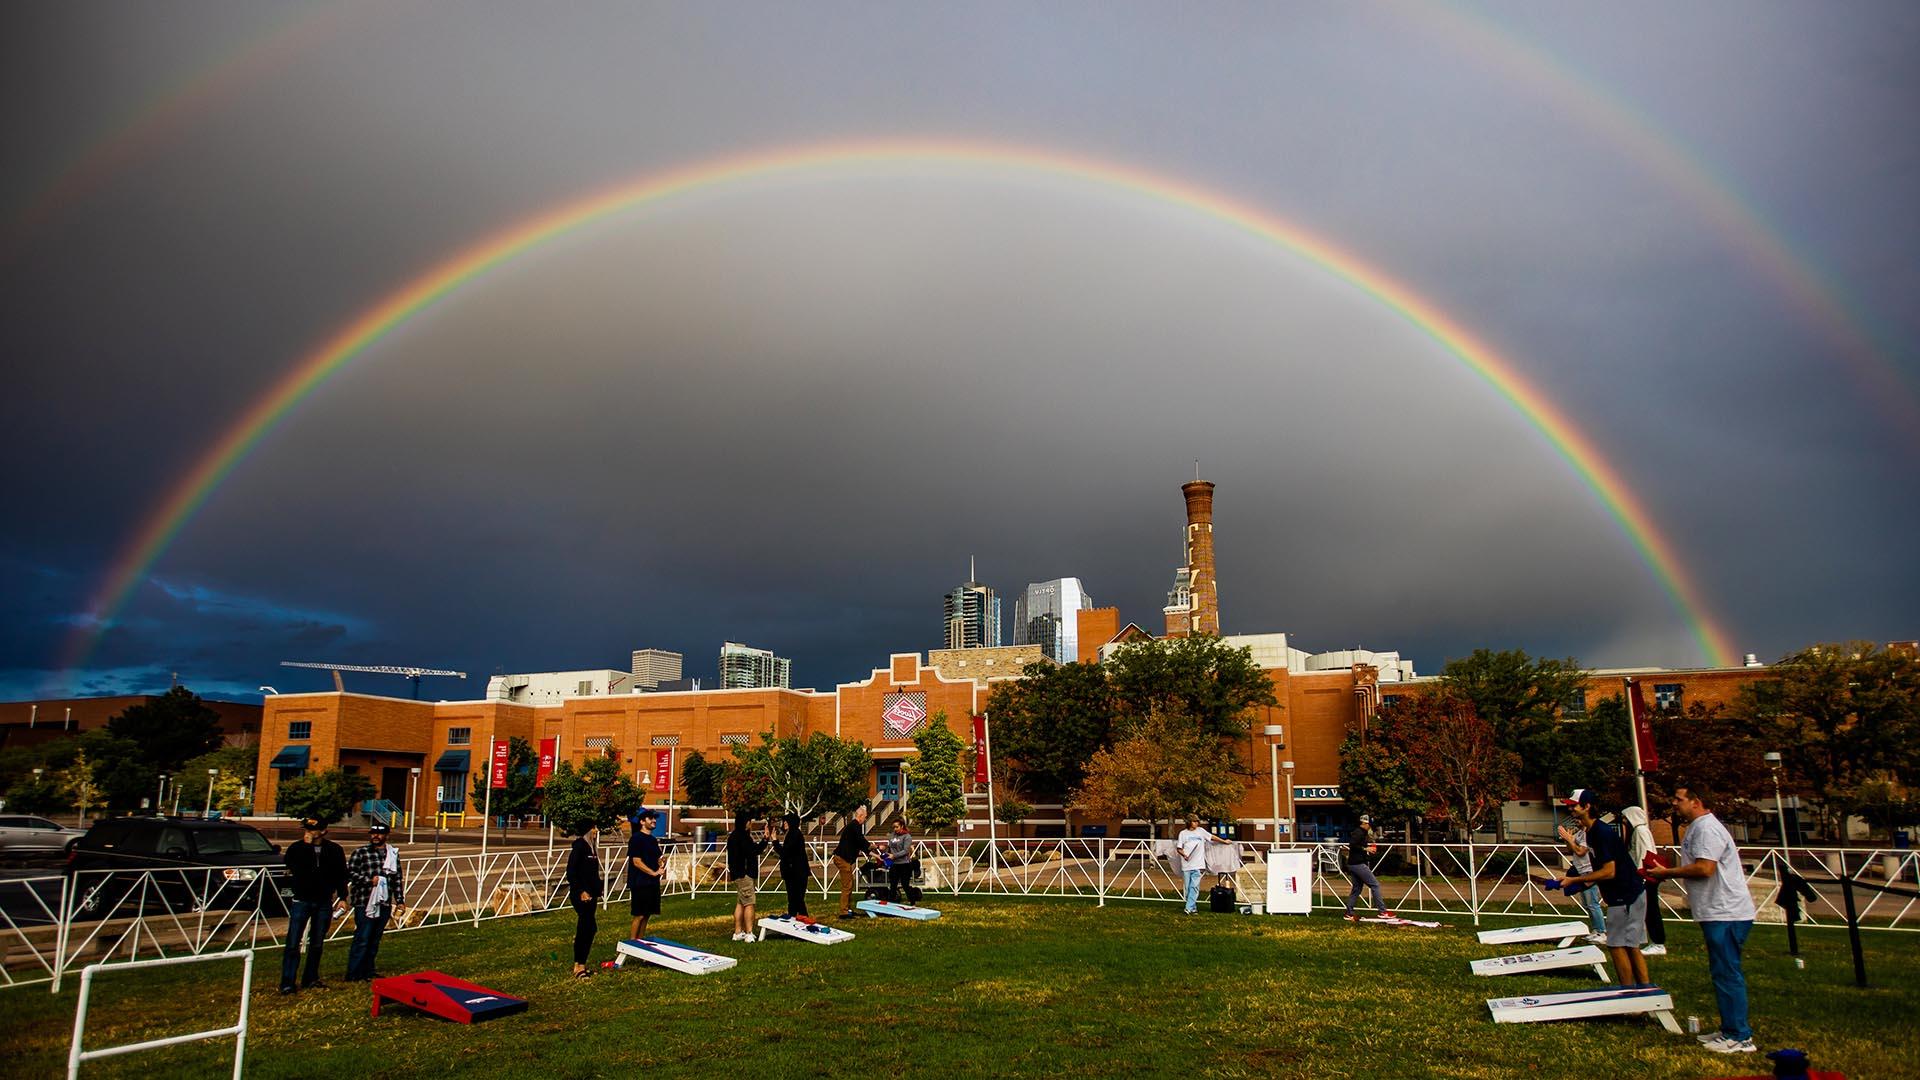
(313, 919)
(1590, 898)
(1193, 888)
(1724, 941)
(366, 943)
(1362, 875)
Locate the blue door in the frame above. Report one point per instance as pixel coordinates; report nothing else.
(889, 783)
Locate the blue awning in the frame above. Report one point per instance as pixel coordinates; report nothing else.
(452, 761)
(290, 757)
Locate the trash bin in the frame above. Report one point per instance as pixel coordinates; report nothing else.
(1902, 839)
(1099, 832)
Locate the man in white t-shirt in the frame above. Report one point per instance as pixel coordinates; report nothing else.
(1192, 845)
(1716, 887)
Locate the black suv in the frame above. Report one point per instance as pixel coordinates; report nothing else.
(172, 864)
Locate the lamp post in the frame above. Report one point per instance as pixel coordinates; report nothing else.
(1292, 837)
(160, 797)
(413, 805)
(211, 773)
(1772, 758)
(1275, 735)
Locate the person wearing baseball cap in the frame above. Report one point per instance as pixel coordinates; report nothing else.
(1619, 884)
(317, 875)
(1360, 852)
(377, 890)
(1579, 861)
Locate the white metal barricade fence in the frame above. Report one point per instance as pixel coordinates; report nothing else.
(76, 1055)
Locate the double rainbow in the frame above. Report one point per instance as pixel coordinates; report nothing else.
(160, 528)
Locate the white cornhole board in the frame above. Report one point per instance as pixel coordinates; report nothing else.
(672, 955)
(1581, 1004)
(1584, 956)
(1564, 932)
(903, 911)
(817, 932)
(1289, 882)
(1397, 921)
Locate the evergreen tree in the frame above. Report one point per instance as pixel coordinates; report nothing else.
(938, 799)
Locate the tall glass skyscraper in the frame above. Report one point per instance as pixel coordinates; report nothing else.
(745, 668)
(1046, 614)
(973, 617)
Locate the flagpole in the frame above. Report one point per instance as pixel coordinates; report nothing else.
(993, 836)
(1633, 736)
(486, 815)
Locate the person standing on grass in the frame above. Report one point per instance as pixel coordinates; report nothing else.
(1717, 892)
(377, 890)
(645, 871)
(853, 844)
(317, 875)
(901, 864)
(584, 885)
(795, 869)
(743, 869)
(1619, 883)
(1579, 864)
(1640, 849)
(1192, 846)
(1360, 852)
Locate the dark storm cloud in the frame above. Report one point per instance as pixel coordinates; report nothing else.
(787, 413)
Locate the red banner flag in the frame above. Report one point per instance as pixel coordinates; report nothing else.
(500, 748)
(663, 770)
(979, 748)
(549, 749)
(1642, 726)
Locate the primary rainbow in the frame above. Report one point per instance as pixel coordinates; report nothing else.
(157, 532)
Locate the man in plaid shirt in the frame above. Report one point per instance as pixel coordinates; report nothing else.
(376, 890)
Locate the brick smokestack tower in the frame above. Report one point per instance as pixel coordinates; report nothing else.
(1200, 580)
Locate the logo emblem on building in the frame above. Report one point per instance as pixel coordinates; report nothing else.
(903, 714)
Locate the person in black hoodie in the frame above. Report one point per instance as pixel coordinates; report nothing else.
(583, 888)
(794, 868)
(317, 874)
(743, 869)
(853, 844)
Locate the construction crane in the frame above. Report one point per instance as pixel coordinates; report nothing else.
(413, 674)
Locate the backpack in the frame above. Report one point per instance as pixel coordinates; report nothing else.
(1222, 898)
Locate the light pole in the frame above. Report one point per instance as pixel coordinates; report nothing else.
(211, 773)
(1772, 758)
(1275, 735)
(1292, 837)
(160, 798)
(413, 806)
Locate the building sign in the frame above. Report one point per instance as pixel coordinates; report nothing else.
(549, 751)
(500, 748)
(1309, 793)
(663, 770)
(903, 714)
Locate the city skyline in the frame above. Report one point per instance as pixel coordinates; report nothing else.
(485, 341)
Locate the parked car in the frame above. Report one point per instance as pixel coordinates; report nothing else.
(24, 834)
(176, 864)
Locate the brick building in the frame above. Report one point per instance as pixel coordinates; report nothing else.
(29, 723)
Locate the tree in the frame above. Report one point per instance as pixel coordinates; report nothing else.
(230, 791)
(120, 771)
(1211, 684)
(1167, 766)
(1048, 724)
(79, 784)
(702, 778)
(938, 798)
(518, 796)
(1010, 809)
(1455, 760)
(170, 729)
(596, 795)
(1374, 777)
(1841, 716)
(329, 795)
(1708, 747)
(819, 774)
(37, 795)
(1592, 751)
(1518, 695)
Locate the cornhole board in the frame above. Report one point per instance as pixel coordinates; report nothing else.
(444, 996)
(1582, 1004)
(1553, 960)
(1563, 932)
(1397, 921)
(671, 955)
(875, 908)
(804, 928)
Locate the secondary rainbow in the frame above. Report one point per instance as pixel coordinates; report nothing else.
(160, 528)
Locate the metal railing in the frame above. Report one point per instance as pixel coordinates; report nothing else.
(52, 924)
(238, 1029)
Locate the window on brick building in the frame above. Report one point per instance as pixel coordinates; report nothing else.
(734, 739)
(666, 740)
(1577, 704)
(455, 784)
(299, 729)
(1666, 696)
(459, 736)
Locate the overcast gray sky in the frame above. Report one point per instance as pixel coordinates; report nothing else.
(787, 410)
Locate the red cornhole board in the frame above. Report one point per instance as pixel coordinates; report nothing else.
(444, 996)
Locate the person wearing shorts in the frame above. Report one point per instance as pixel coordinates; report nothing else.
(743, 869)
(644, 872)
(1620, 886)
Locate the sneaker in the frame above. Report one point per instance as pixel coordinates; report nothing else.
(1726, 1044)
(1351, 917)
(317, 984)
(1596, 939)
(1653, 950)
(285, 990)
(1708, 1036)
(1388, 915)
(736, 936)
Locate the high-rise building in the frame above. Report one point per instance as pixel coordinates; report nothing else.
(745, 668)
(651, 667)
(973, 615)
(1047, 615)
(1193, 606)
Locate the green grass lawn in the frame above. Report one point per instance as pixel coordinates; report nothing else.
(998, 987)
